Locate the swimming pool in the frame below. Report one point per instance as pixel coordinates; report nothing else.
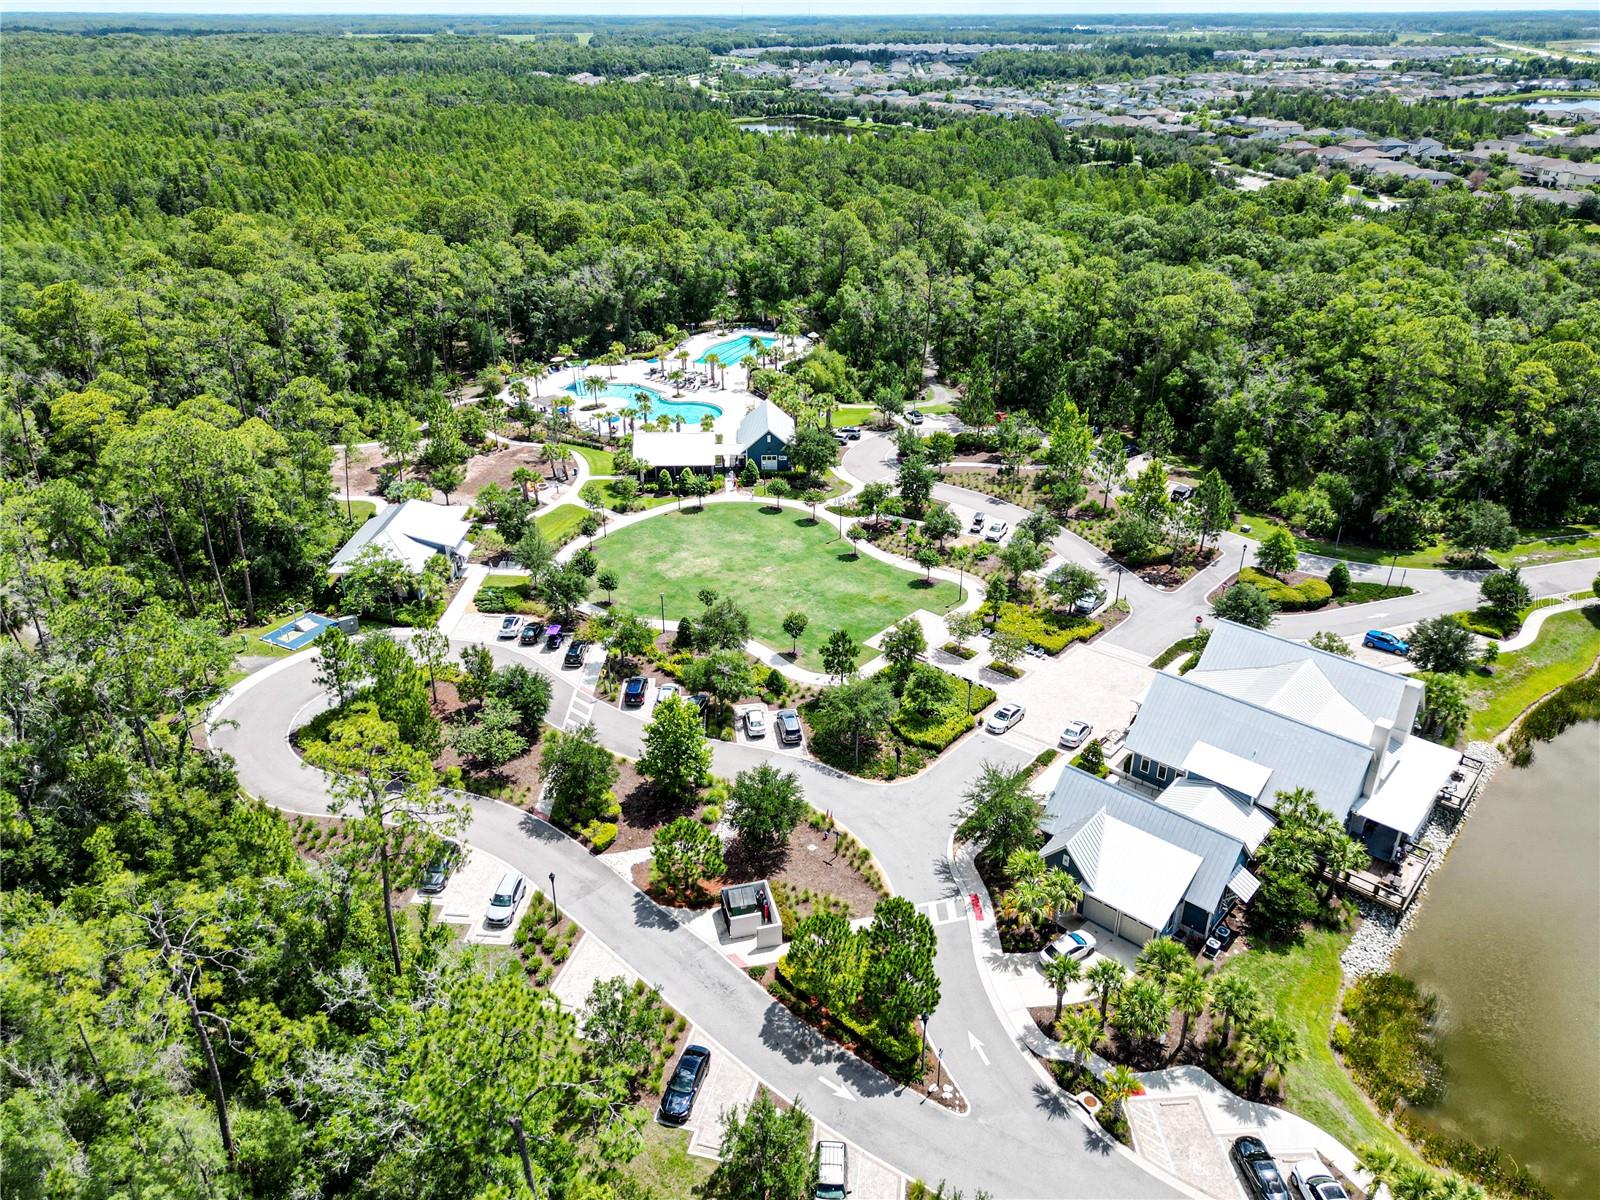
(735, 349)
(687, 411)
(616, 391)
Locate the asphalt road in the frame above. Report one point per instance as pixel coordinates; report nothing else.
(1018, 1140)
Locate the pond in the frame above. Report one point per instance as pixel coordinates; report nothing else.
(1509, 939)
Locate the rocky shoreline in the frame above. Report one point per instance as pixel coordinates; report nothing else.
(1371, 951)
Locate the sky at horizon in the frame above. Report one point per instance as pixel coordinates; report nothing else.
(791, 8)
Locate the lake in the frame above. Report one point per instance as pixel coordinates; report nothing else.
(1509, 939)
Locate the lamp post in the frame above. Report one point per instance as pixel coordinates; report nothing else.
(1118, 596)
(663, 596)
(925, 1035)
(1242, 550)
(553, 903)
(1392, 563)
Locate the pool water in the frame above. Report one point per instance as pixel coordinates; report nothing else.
(616, 391)
(735, 349)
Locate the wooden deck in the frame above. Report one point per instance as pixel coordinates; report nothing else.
(1393, 885)
(1462, 787)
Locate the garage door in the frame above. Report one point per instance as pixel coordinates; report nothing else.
(1118, 923)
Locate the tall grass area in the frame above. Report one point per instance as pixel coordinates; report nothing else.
(1301, 984)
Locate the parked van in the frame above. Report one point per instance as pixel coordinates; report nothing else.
(832, 1171)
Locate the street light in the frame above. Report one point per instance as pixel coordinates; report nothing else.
(925, 1035)
(553, 903)
(663, 612)
(1118, 596)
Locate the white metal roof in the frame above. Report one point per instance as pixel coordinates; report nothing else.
(1231, 771)
(412, 532)
(1134, 872)
(1295, 689)
(765, 417)
(1377, 694)
(1413, 773)
(1176, 714)
(1216, 809)
(1243, 884)
(677, 450)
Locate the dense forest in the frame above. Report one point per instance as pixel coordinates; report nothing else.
(226, 256)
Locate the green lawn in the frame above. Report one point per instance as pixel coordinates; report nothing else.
(1567, 646)
(1541, 546)
(768, 563)
(664, 1167)
(854, 414)
(1301, 983)
(601, 462)
(645, 499)
(358, 510)
(560, 523)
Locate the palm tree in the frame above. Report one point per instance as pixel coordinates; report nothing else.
(549, 454)
(1079, 1032)
(1120, 1083)
(1237, 1001)
(594, 385)
(617, 353)
(1414, 1183)
(1380, 1162)
(1107, 977)
(1453, 1187)
(1344, 855)
(1162, 959)
(523, 478)
(1024, 864)
(1190, 992)
(1271, 1045)
(643, 401)
(1061, 973)
(712, 363)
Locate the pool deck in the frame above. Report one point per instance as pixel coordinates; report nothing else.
(730, 394)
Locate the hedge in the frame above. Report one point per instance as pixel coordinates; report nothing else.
(933, 734)
(1313, 593)
(1048, 629)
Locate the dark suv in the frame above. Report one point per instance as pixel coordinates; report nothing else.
(633, 691)
(530, 635)
(575, 653)
(788, 723)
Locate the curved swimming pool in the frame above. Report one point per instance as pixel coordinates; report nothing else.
(687, 411)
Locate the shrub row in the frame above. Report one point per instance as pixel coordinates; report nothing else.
(1303, 597)
(1047, 628)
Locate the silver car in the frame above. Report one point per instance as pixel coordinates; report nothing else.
(755, 723)
(508, 894)
(1075, 734)
(1004, 717)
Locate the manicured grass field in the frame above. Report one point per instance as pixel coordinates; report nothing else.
(560, 523)
(854, 414)
(1301, 983)
(601, 462)
(769, 564)
(664, 1167)
(645, 499)
(359, 510)
(1567, 646)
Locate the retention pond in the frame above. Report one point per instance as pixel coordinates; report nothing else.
(1509, 939)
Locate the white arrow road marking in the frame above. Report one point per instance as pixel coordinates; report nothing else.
(838, 1089)
(972, 1040)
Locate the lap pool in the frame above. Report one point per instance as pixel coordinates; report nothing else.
(735, 349)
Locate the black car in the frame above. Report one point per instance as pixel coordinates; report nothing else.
(1260, 1172)
(633, 691)
(700, 700)
(1182, 493)
(677, 1102)
(530, 635)
(437, 873)
(575, 653)
(788, 723)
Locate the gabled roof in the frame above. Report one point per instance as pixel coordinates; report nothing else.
(685, 448)
(1377, 694)
(413, 532)
(766, 417)
(1114, 855)
(1295, 689)
(1232, 772)
(1216, 809)
(1413, 776)
(1133, 871)
(1177, 714)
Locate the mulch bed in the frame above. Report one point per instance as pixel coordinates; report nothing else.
(520, 776)
(492, 467)
(643, 811)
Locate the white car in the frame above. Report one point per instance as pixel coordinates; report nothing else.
(667, 689)
(1075, 734)
(508, 894)
(1078, 945)
(1004, 717)
(755, 723)
(978, 518)
(510, 627)
(996, 531)
(1312, 1181)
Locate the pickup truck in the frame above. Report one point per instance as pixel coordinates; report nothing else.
(832, 1170)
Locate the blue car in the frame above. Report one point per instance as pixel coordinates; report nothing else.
(1379, 640)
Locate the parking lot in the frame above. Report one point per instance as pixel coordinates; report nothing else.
(466, 897)
(1086, 683)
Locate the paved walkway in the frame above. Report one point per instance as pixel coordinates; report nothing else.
(1530, 628)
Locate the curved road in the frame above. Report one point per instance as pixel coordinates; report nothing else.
(1019, 1139)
